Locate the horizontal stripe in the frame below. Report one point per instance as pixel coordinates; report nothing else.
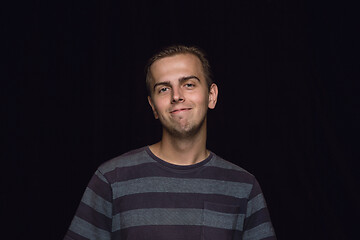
(101, 176)
(160, 216)
(87, 230)
(70, 235)
(270, 238)
(166, 216)
(174, 200)
(92, 216)
(223, 208)
(133, 158)
(180, 185)
(160, 232)
(224, 220)
(219, 234)
(155, 170)
(96, 202)
(260, 232)
(255, 204)
(101, 187)
(257, 218)
(256, 190)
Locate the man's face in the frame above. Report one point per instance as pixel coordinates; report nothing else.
(180, 95)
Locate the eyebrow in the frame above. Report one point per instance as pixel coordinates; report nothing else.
(182, 79)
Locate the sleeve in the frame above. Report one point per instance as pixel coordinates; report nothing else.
(93, 218)
(257, 223)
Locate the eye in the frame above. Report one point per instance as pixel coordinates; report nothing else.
(189, 85)
(163, 89)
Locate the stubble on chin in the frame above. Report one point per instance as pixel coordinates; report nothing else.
(184, 130)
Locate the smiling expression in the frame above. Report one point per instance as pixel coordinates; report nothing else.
(180, 96)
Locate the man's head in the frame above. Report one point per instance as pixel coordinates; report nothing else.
(181, 90)
(175, 50)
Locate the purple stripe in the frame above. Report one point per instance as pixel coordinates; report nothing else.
(261, 216)
(256, 190)
(174, 200)
(95, 218)
(101, 188)
(270, 238)
(225, 208)
(176, 233)
(70, 235)
(155, 169)
(217, 233)
(159, 232)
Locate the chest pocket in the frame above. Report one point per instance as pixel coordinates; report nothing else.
(222, 222)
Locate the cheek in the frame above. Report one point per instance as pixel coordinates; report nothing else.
(200, 99)
(160, 105)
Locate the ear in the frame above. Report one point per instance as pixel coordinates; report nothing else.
(213, 94)
(153, 108)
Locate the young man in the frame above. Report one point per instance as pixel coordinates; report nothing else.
(174, 189)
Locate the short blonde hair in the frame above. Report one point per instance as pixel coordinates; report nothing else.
(174, 50)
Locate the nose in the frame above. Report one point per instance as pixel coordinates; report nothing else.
(177, 96)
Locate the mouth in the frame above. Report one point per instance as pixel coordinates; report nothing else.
(179, 110)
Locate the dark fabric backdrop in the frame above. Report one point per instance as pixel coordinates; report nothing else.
(73, 97)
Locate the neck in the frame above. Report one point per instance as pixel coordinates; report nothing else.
(182, 151)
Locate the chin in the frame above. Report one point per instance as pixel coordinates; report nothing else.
(186, 131)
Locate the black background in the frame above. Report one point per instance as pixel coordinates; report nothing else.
(73, 96)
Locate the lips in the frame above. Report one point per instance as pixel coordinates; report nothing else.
(179, 110)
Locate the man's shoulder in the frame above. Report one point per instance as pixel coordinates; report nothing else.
(225, 164)
(128, 159)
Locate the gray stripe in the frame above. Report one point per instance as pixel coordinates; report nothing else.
(88, 230)
(224, 220)
(259, 232)
(99, 175)
(126, 161)
(116, 225)
(175, 216)
(181, 185)
(160, 216)
(255, 204)
(98, 203)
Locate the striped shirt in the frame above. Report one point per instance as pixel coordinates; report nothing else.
(139, 196)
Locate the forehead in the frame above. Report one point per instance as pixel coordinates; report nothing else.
(176, 66)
